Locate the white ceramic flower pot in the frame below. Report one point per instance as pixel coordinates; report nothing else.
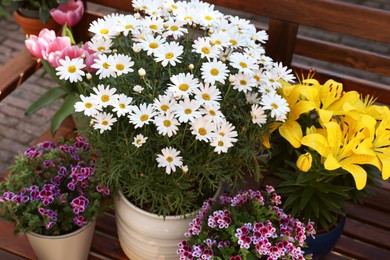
(143, 235)
(75, 245)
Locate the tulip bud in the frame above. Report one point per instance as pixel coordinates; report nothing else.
(304, 162)
(69, 13)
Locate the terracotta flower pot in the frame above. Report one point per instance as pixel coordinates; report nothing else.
(34, 25)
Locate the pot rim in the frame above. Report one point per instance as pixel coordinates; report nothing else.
(62, 236)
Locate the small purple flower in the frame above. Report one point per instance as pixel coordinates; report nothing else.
(47, 145)
(80, 221)
(8, 195)
(103, 189)
(46, 196)
(20, 198)
(48, 213)
(49, 225)
(79, 204)
(62, 171)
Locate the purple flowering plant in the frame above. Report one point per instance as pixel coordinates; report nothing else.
(248, 225)
(51, 188)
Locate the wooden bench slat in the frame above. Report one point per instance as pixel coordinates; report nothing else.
(108, 247)
(9, 256)
(343, 55)
(358, 250)
(368, 215)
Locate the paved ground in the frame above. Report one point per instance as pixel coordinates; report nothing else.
(18, 131)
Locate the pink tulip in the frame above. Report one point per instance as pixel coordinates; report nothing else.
(37, 45)
(69, 14)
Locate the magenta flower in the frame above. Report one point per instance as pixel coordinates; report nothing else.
(79, 204)
(68, 14)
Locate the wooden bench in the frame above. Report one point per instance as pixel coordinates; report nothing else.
(367, 231)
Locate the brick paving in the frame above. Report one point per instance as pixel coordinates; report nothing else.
(18, 131)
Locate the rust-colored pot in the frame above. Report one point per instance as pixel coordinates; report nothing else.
(34, 25)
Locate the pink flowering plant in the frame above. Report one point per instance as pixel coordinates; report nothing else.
(248, 225)
(51, 188)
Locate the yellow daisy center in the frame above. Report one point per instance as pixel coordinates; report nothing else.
(202, 131)
(221, 133)
(174, 28)
(212, 112)
(187, 111)
(105, 98)
(167, 123)
(104, 122)
(188, 18)
(243, 65)
(153, 27)
(184, 87)
(72, 69)
(206, 96)
(119, 66)
(122, 105)
(144, 117)
(153, 45)
(164, 108)
(257, 78)
(88, 105)
(218, 42)
(103, 31)
(220, 143)
(101, 48)
(233, 42)
(214, 72)
(274, 105)
(205, 50)
(169, 55)
(243, 82)
(208, 18)
(169, 159)
(105, 65)
(129, 26)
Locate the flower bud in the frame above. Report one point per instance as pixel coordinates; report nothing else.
(141, 72)
(304, 162)
(88, 76)
(191, 66)
(136, 48)
(232, 78)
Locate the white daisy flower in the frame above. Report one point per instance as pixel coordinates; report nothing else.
(243, 82)
(71, 69)
(226, 129)
(153, 24)
(120, 63)
(214, 71)
(103, 121)
(208, 95)
(205, 49)
(122, 105)
(166, 124)
(88, 105)
(104, 70)
(203, 129)
(187, 110)
(170, 159)
(212, 113)
(260, 36)
(220, 39)
(127, 24)
(258, 115)
(164, 104)
(169, 53)
(103, 28)
(151, 43)
(221, 143)
(139, 140)
(284, 72)
(99, 44)
(104, 96)
(252, 98)
(186, 16)
(243, 63)
(138, 88)
(276, 104)
(183, 85)
(142, 115)
(209, 17)
(236, 40)
(272, 78)
(174, 28)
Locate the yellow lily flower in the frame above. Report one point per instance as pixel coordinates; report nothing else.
(381, 145)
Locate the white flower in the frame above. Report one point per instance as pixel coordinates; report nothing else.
(100, 44)
(183, 85)
(221, 143)
(88, 105)
(142, 115)
(71, 69)
(164, 104)
(212, 113)
(187, 110)
(153, 24)
(120, 64)
(252, 98)
(122, 105)
(284, 72)
(104, 96)
(205, 49)
(258, 115)
(170, 159)
(151, 43)
(276, 104)
(203, 129)
(243, 82)
(208, 95)
(226, 129)
(104, 70)
(169, 53)
(166, 124)
(103, 121)
(215, 71)
(174, 28)
(271, 78)
(243, 63)
(139, 140)
(103, 28)
(127, 24)
(138, 88)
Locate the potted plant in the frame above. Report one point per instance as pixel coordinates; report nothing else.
(177, 105)
(332, 148)
(248, 225)
(52, 192)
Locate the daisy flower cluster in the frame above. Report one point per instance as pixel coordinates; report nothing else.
(248, 225)
(182, 88)
(52, 188)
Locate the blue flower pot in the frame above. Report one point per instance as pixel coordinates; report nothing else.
(324, 242)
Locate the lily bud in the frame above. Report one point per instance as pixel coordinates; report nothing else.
(304, 162)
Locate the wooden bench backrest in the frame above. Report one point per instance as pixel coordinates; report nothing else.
(284, 44)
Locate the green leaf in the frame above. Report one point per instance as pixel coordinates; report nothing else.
(52, 72)
(46, 99)
(306, 196)
(65, 110)
(44, 13)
